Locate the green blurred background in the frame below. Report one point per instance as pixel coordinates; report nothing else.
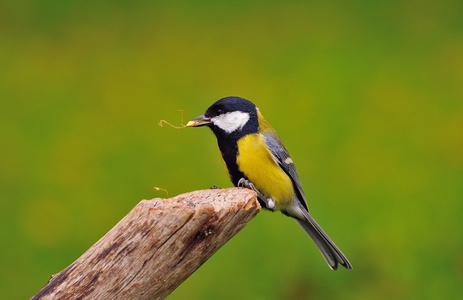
(367, 96)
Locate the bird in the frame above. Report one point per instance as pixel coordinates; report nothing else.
(256, 158)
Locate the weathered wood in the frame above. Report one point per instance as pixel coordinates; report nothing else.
(155, 247)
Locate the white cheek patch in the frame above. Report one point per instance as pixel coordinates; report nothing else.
(231, 121)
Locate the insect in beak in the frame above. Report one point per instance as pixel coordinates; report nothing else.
(199, 121)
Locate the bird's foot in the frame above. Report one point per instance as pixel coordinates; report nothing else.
(214, 187)
(244, 183)
(267, 203)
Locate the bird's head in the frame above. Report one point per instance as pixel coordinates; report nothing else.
(230, 116)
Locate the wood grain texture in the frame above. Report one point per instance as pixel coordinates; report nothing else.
(155, 247)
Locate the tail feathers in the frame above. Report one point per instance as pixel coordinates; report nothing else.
(330, 252)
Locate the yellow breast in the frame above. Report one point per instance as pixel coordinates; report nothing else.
(258, 164)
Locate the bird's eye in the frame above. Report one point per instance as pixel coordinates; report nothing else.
(219, 111)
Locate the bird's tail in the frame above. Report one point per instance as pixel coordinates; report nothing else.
(328, 249)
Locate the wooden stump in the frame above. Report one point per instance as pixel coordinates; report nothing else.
(155, 247)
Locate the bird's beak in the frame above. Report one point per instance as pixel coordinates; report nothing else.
(199, 121)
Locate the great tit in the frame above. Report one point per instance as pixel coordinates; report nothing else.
(256, 158)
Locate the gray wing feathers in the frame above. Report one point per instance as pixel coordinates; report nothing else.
(279, 151)
(328, 249)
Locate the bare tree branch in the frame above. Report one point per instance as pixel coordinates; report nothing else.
(155, 247)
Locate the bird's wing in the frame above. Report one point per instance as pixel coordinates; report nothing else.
(281, 155)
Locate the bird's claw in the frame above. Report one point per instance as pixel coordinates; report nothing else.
(244, 183)
(267, 203)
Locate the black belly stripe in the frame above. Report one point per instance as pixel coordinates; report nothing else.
(229, 150)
